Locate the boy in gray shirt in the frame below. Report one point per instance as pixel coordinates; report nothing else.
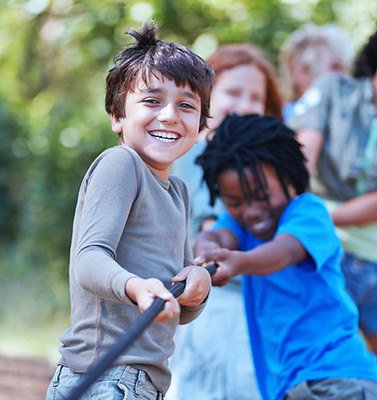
(130, 236)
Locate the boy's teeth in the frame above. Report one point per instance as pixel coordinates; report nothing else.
(165, 136)
(259, 225)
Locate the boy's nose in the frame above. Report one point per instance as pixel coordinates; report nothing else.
(168, 114)
(251, 212)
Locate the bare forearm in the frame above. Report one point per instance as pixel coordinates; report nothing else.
(283, 251)
(311, 141)
(358, 211)
(272, 257)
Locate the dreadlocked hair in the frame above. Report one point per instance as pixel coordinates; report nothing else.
(246, 142)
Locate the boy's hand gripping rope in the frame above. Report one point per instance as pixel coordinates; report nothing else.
(128, 337)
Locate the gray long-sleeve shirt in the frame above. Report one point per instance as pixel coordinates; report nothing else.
(128, 222)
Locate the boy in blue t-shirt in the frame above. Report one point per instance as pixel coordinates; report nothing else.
(302, 324)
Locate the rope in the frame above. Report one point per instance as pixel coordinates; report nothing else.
(128, 337)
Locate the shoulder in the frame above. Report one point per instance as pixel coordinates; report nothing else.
(329, 85)
(180, 186)
(115, 164)
(337, 86)
(312, 109)
(120, 155)
(308, 198)
(306, 212)
(176, 181)
(333, 80)
(307, 219)
(304, 204)
(307, 216)
(117, 158)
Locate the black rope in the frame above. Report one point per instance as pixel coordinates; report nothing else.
(128, 337)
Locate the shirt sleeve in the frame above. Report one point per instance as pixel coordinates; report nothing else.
(307, 219)
(104, 204)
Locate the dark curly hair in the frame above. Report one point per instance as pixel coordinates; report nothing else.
(366, 62)
(245, 142)
(151, 56)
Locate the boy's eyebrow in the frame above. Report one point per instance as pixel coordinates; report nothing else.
(229, 195)
(187, 93)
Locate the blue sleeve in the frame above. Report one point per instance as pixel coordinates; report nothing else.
(307, 219)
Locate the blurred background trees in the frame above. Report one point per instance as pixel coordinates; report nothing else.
(54, 57)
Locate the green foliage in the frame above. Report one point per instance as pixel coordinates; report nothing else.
(12, 180)
(54, 56)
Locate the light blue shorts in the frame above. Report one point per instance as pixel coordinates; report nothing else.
(118, 383)
(334, 389)
(361, 284)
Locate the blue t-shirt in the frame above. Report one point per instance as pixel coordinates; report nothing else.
(302, 324)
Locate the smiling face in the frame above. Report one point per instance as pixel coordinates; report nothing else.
(161, 122)
(258, 215)
(241, 90)
(304, 75)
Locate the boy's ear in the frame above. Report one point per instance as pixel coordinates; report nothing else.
(116, 125)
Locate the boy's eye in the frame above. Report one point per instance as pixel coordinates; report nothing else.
(187, 105)
(261, 195)
(151, 101)
(231, 203)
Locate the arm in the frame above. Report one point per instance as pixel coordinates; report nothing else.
(221, 237)
(357, 211)
(311, 141)
(103, 206)
(270, 257)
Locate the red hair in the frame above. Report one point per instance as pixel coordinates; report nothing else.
(230, 56)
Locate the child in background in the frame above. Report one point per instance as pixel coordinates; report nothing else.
(130, 235)
(336, 123)
(303, 325)
(212, 361)
(311, 51)
(245, 83)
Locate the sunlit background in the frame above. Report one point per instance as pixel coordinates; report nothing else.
(54, 56)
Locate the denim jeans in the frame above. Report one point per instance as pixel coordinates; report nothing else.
(361, 284)
(334, 389)
(118, 383)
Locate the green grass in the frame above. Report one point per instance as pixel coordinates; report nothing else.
(31, 341)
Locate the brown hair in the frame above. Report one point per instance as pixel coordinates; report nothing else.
(150, 56)
(233, 55)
